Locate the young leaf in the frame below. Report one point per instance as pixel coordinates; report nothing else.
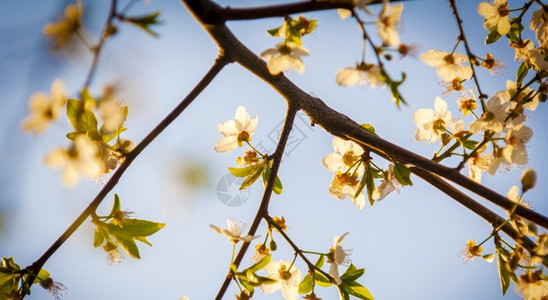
(522, 72)
(370, 184)
(515, 29)
(368, 127)
(124, 240)
(245, 171)
(253, 176)
(352, 274)
(261, 263)
(144, 22)
(402, 174)
(116, 206)
(504, 274)
(306, 285)
(321, 279)
(276, 32)
(319, 263)
(277, 188)
(357, 290)
(74, 109)
(492, 37)
(470, 144)
(98, 237)
(136, 227)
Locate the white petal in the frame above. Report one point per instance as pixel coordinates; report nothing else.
(333, 162)
(347, 76)
(226, 144)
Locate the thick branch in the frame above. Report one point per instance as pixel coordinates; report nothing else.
(213, 71)
(340, 125)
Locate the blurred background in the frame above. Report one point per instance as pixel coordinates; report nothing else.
(408, 243)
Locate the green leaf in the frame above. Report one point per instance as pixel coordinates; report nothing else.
(144, 22)
(402, 174)
(277, 188)
(42, 275)
(368, 127)
(357, 290)
(253, 176)
(98, 237)
(470, 144)
(394, 85)
(88, 121)
(74, 108)
(276, 32)
(116, 206)
(370, 183)
(8, 284)
(261, 263)
(306, 285)
(124, 240)
(107, 137)
(136, 227)
(342, 292)
(522, 72)
(503, 272)
(492, 37)
(515, 29)
(363, 181)
(142, 239)
(319, 263)
(321, 279)
(245, 171)
(352, 273)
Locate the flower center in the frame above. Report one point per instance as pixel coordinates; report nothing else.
(503, 10)
(438, 125)
(284, 273)
(349, 159)
(285, 50)
(449, 59)
(243, 137)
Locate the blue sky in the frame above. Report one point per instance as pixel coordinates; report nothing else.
(408, 243)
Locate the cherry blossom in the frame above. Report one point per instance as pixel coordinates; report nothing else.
(286, 56)
(236, 132)
(44, 110)
(496, 16)
(234, 231)
(288, 279)
(448, 65)
(388, 184)
(363, 73)
(338, 256)
(432, 123)
(387, 22)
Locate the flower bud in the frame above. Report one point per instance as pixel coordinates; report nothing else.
(528, 180)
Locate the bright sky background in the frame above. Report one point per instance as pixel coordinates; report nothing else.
(408, 243)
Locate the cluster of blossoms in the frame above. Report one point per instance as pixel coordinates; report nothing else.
(90, 153)
(353, 168)
(282, 275)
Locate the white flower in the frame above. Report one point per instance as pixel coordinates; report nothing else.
(113, 113)
(432, 123)
(338, 256)
(287, 279)
(479, 164)
(496, 16)
(236, 132)
(346, 154)
(43, 110)
(511, 89)
(286, 56)
(234, 231)
(388, 185)
(362, 73)
(522, 48)
(539, 23)
(448, 66)
(537, 59)
(493, 120)
(516, 138)
(80, 159)
(344, 162)
(387, 21)
(533, 290)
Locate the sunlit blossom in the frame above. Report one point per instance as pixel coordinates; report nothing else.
(448, 65)
(346, 155)
(387, 22)
(338, 256)
(234, 231)
(492, 64)
(236, 132)
(539, 23)
(363, 74)
(496, 16)
(55, 289)
(285, 57)
(467, 102)
(288, 279)
(516, 139)
(113, 113)
(493, 120)
(388, 185)
(432, 123)
(345, 185)
(79, 160)
(67, 25)
(471, 251)
(479, 164)
(532, 286)
(522, 48)
(537, 59)
(408, 50)
(114, 257)
(44, 109)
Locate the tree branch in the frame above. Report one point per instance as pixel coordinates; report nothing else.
(204, 82)
(340, 125)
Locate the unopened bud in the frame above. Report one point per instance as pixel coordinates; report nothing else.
(528, 180)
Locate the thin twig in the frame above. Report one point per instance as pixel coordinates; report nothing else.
(262, 212)
(113, 181)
